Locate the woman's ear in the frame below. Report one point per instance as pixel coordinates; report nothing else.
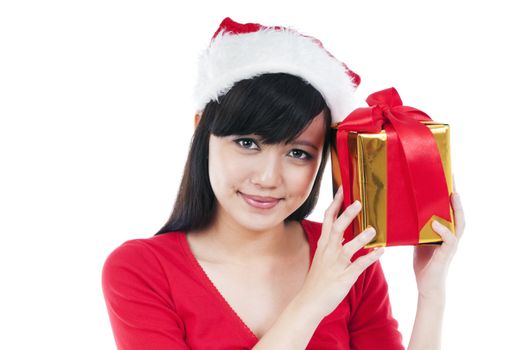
(197, 117)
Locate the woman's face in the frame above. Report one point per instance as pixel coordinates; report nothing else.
(241, 166)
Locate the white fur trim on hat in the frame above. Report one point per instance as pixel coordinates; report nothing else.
(234, 57)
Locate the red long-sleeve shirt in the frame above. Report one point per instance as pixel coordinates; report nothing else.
(158, 297)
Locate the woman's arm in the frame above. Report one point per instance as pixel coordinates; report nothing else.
(431, 266)
(293, 329)
(426, 333)
(372, 325)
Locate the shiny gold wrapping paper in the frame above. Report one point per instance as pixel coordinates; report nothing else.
(369, 183)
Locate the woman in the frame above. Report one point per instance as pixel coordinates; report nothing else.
(237, 265)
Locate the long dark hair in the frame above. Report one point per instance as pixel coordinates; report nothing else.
(275, 106)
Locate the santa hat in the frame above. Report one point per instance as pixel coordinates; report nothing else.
(240, 51)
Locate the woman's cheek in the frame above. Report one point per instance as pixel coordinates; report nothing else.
(234, 167)
(302, 178)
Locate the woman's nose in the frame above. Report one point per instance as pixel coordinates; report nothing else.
(268, 172)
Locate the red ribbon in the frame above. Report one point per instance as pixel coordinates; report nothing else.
(416, 184)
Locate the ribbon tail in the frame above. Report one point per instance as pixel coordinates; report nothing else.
(425, 169)
(345, 174)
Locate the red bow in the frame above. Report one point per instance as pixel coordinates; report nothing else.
(412, 150)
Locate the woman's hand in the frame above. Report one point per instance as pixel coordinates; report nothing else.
(332, 274)
(431, 262)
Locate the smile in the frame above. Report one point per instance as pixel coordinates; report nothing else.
(253, 202)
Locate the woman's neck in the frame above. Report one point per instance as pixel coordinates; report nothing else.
(234, 243)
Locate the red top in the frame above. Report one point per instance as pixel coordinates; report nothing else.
(159, 297)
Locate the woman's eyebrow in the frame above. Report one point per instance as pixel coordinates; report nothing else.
(304, 143)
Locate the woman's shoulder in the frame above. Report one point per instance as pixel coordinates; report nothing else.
(146, 253)
(141, 273)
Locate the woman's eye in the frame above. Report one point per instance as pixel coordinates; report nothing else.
(299, 153)
(296, 153)
(245, 142)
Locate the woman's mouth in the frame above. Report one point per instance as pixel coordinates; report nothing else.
(260, 202)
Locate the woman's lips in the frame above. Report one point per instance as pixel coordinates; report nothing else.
(252, 201)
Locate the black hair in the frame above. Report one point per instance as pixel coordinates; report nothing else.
(275, 106)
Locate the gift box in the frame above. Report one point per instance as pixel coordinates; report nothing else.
(395, 160)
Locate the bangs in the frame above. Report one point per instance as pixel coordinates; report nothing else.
(275, 106)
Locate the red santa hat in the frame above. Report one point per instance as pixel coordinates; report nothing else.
(240, 51)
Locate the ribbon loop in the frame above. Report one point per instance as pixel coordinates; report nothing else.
(388, 97)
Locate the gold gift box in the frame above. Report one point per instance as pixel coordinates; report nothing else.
(368, 154)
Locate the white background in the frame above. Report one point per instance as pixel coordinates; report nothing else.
(96, 118)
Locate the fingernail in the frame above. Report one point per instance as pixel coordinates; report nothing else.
(356, 205)
(369, 232)
(340, 190)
